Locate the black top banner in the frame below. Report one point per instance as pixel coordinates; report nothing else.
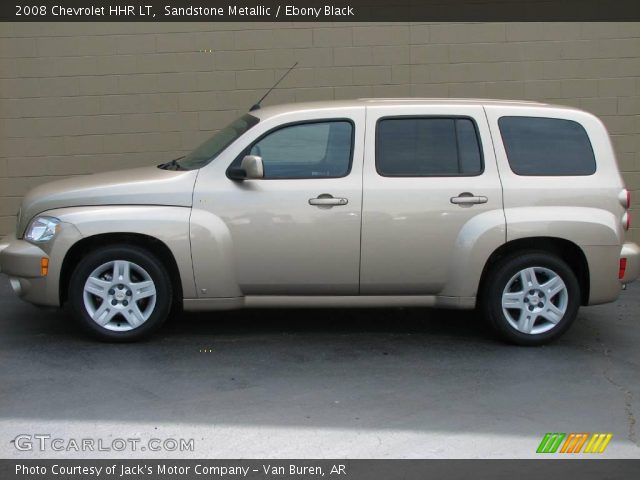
(319, 10)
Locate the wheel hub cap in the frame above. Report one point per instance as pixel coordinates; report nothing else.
(535, 300)
(119, 295)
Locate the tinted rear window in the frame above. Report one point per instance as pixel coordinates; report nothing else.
(423, 146)
(546, 146)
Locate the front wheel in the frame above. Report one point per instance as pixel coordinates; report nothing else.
(120, 293)
(531, 298)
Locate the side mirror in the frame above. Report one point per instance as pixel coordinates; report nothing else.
(252, 165)
(250, 168)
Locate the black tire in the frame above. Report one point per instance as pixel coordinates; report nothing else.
(502, 273)
(138, 256)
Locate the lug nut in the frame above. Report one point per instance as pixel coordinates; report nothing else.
(120, 287)
(526, 300)
(125, 303)
(129, 293)
(111, 291)
(530, 307)
(531, 292)
(114, 302)
(540, 305)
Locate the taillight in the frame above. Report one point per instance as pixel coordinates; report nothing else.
(625, 199)
(623, 268)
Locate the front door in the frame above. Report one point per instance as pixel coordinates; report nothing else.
(432, 196)
(297, 230)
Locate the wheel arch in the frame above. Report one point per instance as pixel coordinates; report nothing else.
(563, 248)
(147, 242)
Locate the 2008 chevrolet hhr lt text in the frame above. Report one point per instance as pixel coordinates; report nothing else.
(517, 208)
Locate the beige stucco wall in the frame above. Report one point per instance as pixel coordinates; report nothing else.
(77, 98)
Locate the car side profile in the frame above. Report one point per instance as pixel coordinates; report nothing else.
(515, 208)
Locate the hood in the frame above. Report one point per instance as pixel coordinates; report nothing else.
(136, 186)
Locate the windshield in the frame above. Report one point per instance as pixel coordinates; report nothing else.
(211, 148)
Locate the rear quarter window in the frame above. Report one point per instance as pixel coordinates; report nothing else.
(537, 146)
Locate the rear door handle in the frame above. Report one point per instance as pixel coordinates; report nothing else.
(466, 198)
(327, 201)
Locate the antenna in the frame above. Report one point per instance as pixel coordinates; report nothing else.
(257, 105)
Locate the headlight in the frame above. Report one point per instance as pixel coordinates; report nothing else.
(42, 229)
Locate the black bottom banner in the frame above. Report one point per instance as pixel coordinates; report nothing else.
(335, 469)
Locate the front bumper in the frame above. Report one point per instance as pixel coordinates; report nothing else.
(21, 261)
(631, 252)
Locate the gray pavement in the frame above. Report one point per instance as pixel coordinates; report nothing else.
(390, 383)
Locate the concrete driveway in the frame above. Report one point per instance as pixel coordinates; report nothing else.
(397, 383)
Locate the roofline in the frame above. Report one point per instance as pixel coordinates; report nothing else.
(278, 109)
(445, 99)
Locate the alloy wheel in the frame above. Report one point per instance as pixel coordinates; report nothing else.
(119, 295)
(535, 300)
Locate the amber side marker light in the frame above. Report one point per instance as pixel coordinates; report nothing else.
(44, 266)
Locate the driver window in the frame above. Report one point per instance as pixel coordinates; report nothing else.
(308, 150)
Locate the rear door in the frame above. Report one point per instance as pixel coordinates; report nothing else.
(432, 200)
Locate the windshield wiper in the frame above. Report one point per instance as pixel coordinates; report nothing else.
(172, 165)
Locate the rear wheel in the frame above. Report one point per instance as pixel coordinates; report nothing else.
(120, 293)
(531, 298)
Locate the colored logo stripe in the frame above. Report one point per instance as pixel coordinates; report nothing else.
(598, 442)
(550, 443)
(574, 442)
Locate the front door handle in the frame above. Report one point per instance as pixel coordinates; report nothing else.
(327, 201)
(466, 198)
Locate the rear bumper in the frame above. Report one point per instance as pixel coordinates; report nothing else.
(630, 252)
(4, 243)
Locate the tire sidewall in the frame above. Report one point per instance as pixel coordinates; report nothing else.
(133, 254)
(504, 272)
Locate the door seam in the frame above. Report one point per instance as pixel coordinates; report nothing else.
(364, 151)
(495, 158)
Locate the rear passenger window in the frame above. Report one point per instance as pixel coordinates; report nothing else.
(423, 146)
(546, 146)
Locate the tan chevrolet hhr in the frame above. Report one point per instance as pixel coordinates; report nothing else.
(517, 208)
